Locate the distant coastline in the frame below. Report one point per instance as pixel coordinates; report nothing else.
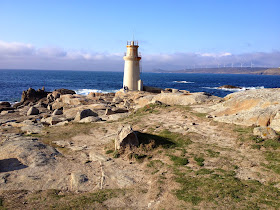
(225, 70)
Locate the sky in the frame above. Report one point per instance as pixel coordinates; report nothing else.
(172, 35)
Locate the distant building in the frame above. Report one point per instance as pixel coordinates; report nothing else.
(131, 77)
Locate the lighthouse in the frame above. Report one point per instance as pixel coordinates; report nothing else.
(131, 76)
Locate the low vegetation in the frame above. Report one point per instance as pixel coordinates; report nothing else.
(225, 189)
(270, 147)
(178, 160)
(56, 199)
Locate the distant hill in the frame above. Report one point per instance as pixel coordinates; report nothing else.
(225, 70)
(272, 71)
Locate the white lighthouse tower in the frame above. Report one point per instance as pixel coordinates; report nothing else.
(131, 77)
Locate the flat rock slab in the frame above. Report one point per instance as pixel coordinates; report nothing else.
(32, 129)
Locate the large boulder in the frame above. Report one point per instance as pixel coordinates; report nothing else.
(66, 101)
(51, 120)
(126, 137)
(63, 91)
(57, 105)
(152, 89)
(51, 97)
(33, 96)
(5, 106)
(32, 111)
(71, 99)
(89, 119)
(57, 93)
(84, 113)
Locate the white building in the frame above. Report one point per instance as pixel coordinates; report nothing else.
(131, 77)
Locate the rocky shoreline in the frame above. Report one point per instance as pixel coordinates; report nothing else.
(61, 140)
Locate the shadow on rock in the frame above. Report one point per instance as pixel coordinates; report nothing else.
(11, 164)
(152, 141)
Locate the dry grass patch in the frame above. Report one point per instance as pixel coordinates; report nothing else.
(56, 199)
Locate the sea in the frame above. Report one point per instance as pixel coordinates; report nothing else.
(13, 82)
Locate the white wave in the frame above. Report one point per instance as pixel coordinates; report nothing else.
(235, 89)
(183, 82)
(87, 91)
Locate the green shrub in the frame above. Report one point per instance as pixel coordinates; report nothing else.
(199, 160)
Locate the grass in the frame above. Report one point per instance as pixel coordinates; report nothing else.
(201, 115)
(243, 130)
(56, 199)
(271, 146)
(148, 109)
(204, 171)
(273, 158)
(52, 199)
(199, 160)
(179, 161)
(178, 140)
(245, 134)
(164, 139)
(223, 188)
(137, 157)
(212, 153)
(155, 165)
(268, 144)
(272, 143)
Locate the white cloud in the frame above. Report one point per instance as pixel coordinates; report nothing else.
(26, 56)
(215, 55)
(15, 49)
(50, 52)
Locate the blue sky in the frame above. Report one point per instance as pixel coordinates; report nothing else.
(91, 35)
